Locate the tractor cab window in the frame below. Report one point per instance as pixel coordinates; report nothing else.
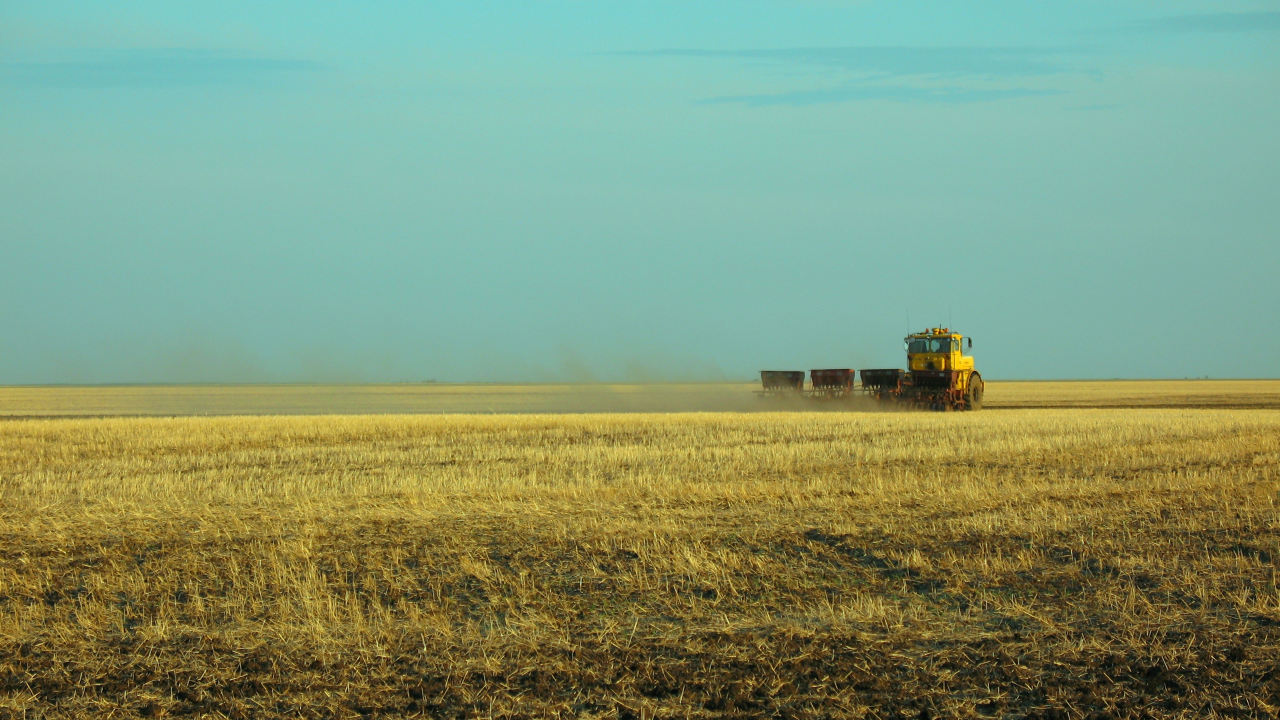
(931, 345)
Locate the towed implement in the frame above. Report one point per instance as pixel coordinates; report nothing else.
(939, 376)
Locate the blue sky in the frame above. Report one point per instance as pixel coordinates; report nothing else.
(635, 191)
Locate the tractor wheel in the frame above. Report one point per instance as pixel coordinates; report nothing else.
(973, 396)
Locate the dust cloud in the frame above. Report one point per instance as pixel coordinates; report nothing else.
(406, 398)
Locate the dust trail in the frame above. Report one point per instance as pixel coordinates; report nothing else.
(402, 398)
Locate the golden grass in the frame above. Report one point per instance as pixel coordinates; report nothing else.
(1054, 563)
(1135, 393)
(35, 401)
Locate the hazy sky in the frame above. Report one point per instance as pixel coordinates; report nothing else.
(573, 189)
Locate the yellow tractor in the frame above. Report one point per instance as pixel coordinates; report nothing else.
(939, 376)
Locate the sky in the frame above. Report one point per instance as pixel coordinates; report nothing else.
(599, 190)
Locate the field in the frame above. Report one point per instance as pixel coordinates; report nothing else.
(54, 401)
(1050, 562)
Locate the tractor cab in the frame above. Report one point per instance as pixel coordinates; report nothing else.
(937, 349)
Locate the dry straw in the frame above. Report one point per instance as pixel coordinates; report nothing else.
(1016, 563)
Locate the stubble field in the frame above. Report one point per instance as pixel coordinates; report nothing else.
(435, 398)
(1044, 563)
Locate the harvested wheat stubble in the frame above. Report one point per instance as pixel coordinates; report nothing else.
(1073, 563)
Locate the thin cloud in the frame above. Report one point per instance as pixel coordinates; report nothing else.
(897, 61)
(896, 93)
(1216, 22)
(170, 67)
(867, 68)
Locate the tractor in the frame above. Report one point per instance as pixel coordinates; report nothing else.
(939, 376)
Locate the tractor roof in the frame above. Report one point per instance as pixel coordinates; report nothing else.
(935, 333)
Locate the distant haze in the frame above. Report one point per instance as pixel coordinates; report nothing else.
(528, 191)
